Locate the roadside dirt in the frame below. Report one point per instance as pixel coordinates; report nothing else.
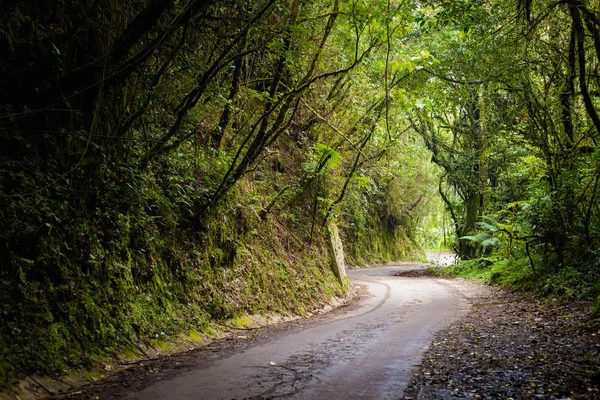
(513, 346)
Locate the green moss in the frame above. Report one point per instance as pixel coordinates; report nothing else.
(242, 320)
(163, 345)
(194, 335)
(209, 331)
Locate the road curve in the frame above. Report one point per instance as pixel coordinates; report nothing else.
(366, 353)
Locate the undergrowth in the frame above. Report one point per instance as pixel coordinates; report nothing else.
(543, 278)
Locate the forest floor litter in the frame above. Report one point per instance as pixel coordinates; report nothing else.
(513, 346)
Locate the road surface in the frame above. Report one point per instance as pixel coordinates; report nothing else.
(366, 353)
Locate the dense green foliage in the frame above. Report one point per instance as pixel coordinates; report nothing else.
(164, 164)
(511, 115)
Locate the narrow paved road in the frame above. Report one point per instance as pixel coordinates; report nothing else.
(366, 353)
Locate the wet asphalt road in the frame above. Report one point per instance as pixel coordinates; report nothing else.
(366, 353)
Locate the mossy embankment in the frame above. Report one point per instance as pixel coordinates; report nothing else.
(87, 284)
